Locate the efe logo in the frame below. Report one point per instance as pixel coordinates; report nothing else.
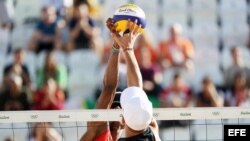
(237, 132)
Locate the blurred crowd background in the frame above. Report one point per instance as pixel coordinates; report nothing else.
(193, 53)
(53, 53)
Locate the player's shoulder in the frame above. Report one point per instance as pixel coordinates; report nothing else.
(155, 131)
(94, 130)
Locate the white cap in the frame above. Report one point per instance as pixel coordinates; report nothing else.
(137, 109)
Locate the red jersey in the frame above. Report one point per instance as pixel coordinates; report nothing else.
(106, 136)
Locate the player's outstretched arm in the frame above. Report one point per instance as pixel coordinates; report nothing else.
(110, 81)
(126, 42)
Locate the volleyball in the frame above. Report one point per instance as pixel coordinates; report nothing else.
(132, 12)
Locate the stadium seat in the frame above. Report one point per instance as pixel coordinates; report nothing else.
(206, 62)
(204, 11)
(26, 9)
(204, 4)
(178, 5)
(171, 17)
(233, 5)
(200, 72)
(8, 59)
(233, 11)
(234, 34)
(30, 61)
(151, 10)
(61, 57)
(80, 59)
(174, 11)
(211, 54)
(169, 73)
(40, 59)
(82, 77)
(4, 40)
(148, 6)
(205, 35)
(21, 36)
(2, 62)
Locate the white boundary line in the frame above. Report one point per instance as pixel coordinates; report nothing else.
(114, 115)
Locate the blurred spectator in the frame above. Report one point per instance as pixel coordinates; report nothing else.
(94, 8)
(83, 33)
(46, 35)
(49, 97)
(151, 75)
(176, 52)
(13, 98)
(17, 67)
(144, 42)
(59, 5)
(44, 132)
(5, 32)
(239, 94)
(209, 96)
(178, 94)
(237, 66)
(52, 69)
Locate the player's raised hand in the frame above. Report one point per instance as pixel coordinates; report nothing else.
(127, 40)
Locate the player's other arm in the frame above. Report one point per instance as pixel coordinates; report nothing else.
(110, 83)
(110, 80)
(126, 42)
(95, 129)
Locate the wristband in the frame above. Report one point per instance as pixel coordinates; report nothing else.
(128, 49)
(115, 50)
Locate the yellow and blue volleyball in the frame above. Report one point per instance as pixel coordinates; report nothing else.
(132, 12)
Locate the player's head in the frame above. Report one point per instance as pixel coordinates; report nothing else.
(137, 109)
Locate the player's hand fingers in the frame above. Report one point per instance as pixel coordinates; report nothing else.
(113, 29)
(109, 23)
(137, 30)
(115, 38)
(118, 32)
(129, 23)
(133, 26)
